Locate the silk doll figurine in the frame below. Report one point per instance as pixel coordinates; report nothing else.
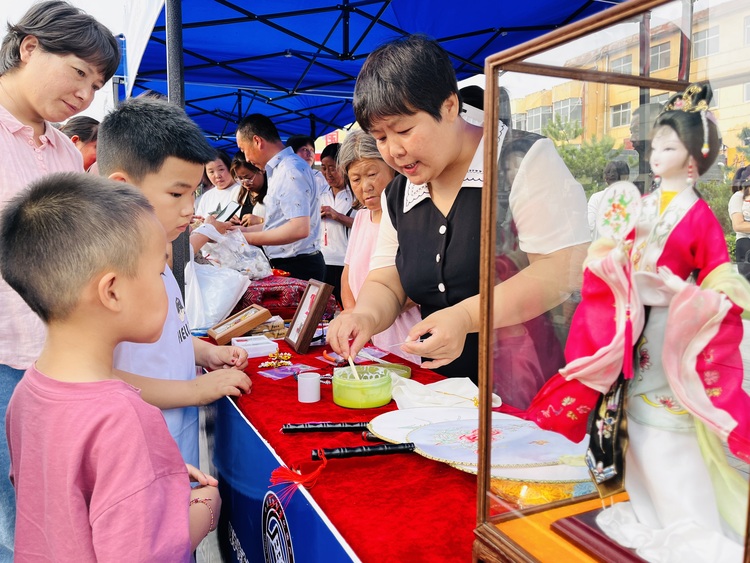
(666, 367)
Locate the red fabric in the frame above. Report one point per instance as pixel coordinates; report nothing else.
(397, 508)
(280, 295)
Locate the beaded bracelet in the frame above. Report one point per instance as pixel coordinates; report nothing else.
(207, 502)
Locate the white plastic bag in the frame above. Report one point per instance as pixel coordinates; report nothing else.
(211, 292)
(231, 250)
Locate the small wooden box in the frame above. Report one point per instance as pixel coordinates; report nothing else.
(239, 324)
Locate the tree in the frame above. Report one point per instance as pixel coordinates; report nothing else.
(585, 161)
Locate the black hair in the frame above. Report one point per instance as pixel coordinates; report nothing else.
(64, 229)
(331, 150)
(62, 29)
(299, 141)
(691, 125)
(224, 157)
(84, 127)
(402, 77)
(239, 161)
(137, 137)
(260, 125)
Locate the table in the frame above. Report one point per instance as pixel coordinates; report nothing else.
(384, 508)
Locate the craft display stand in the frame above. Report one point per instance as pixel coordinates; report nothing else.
(595, 72)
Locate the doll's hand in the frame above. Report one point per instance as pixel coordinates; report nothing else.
(214, 385)
(446, 332)
(197, 476)
(225, 357)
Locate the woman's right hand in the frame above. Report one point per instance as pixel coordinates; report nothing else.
(248, 220)
(348, 325)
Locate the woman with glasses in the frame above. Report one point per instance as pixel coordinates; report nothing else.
(253, 188)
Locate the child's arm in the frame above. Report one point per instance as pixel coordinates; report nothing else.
(218, 357)
(205, 505)
(170, 394)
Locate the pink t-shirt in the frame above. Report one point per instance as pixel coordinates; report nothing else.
(21, 161)
(362, 240)
(96, 473)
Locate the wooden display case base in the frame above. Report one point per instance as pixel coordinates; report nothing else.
(529, 536)
(583, 531)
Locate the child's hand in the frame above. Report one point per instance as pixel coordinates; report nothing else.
(225, 357)
(222, 382)
(197, 476)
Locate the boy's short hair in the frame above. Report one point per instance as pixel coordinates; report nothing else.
(57, 234)
(83, 126)
(402, 77)
(62, 29)
(138, 136)
(258, 124)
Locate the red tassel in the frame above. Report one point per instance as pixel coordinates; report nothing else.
(627, 361)
(292, 478)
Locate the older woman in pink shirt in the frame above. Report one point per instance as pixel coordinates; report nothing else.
(368, 175)
(51, 64)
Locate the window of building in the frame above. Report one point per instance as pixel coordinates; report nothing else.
(660, 56)
(747, 30)
(660, 99)
(621, 115)
(746, 88)
(537, 118)
(623, 65)
(706, 42)
(519, 121)
(568, 110)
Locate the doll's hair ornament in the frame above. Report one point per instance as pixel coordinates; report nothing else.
(694, 99)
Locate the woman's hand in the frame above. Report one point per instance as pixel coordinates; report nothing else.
(357, 327)
(446, 332)
(328, 212)
(248, 220)
(220, 226)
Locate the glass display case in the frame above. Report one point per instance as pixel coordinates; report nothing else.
(567, 115)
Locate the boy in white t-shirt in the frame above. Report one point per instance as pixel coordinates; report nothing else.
(155, 146)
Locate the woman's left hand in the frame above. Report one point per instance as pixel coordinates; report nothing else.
(446, 332)
(328, 212)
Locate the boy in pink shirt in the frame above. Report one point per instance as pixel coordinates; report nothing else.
(96, 473)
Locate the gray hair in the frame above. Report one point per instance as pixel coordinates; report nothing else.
(64, 229)
(358, 145)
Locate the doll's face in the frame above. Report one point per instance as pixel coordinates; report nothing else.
(669, 157)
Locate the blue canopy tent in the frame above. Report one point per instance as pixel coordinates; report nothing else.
(297, 61)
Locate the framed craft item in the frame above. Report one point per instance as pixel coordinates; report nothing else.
(239, 324)
(306, 318)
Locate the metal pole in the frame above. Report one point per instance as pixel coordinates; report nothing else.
(176, 95)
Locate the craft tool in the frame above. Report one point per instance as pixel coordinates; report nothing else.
(362, 451)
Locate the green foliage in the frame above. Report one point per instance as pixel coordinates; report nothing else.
(717, 196)
(745, 138)
(731, 244)
(585, 161)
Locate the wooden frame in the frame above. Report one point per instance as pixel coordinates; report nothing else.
(495, 538)
(239, 324)
(307, 316)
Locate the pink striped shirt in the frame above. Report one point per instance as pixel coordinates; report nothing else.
(22, 333)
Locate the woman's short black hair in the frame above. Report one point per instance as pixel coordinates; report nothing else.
(402, 77)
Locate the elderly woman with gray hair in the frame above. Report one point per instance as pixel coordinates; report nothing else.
(368, 175)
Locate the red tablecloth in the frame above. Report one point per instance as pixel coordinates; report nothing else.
(396, 508)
